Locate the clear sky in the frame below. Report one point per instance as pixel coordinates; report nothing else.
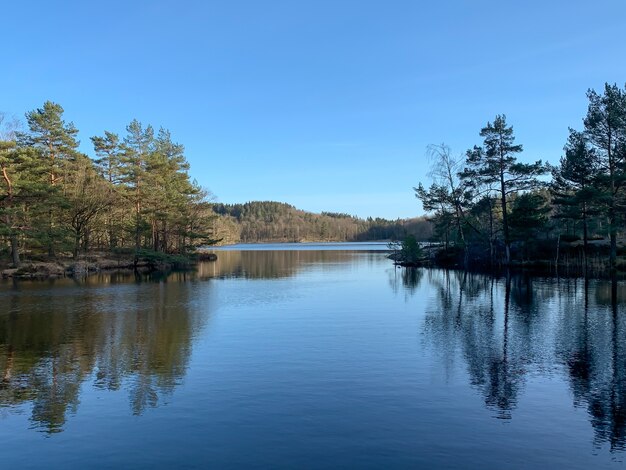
(327, 105)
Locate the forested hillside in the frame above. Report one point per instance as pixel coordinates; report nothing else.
(267, 221)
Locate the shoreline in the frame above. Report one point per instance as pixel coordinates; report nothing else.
(93, 265)
(542, 268)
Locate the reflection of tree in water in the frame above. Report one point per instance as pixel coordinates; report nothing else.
(504, 327)
(405, 279)
(490, 321)
(591, 345)
(465, 319)
(136, 338)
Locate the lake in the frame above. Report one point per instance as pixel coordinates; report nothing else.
(312, 358)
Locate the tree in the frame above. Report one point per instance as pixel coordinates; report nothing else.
(50, 134)
(88, 196)
(449, 196)
(574, 183)
(495, 166)
(55, 141)
(137, 147)
(7, 167)
(605, 130)
(109, 166)
(170, 190)
(109, 155)
(529, 213)
(7, 156)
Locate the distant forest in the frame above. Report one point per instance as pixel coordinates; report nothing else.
(489, 208)
(268, 221)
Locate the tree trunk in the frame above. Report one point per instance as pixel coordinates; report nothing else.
(505, 222)
(491, 244)
(155, 235)
(585, 236)
(76, 243)
(612, 227)
(137, 222)
(15, 253)
(612, 236)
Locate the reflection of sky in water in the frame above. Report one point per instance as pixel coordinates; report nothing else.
(328, 357)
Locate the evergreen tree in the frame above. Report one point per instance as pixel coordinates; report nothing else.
(55, 142)
(605, 130)
(7, 161)
(529, 214)
(52, 136)
(574, 183)
(495, 165)
(109, 155)
(137, 149)
(109, 165)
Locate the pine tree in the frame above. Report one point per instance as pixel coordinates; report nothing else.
(495, 165)
(529, 214)
(7, 168)
(109, 165)
(605, 130)
(137, 148)
(55, 142)
(52, 136)
(574, 183)
(108, 151)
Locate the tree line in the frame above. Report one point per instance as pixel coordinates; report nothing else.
(136, 194)
(269, 221)
(489, 208)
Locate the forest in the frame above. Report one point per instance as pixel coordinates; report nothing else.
(136, 194)
(490, 209)
(268, 221)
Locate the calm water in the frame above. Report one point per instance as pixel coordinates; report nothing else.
(312, 359)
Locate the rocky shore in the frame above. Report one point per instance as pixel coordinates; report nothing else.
(72, 268)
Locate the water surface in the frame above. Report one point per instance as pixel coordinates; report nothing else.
(312, 358)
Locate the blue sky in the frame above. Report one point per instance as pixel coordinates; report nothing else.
(327, 105)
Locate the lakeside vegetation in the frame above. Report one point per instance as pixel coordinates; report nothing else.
(134, 202)
(134, 198)
(491, 210)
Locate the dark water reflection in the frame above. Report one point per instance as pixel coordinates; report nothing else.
(511, 327)
(53, 341)
(314, 358)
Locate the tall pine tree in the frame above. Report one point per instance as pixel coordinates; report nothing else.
(605, 129)
(495, 165)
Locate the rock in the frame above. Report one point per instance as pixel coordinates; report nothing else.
(35, 270)
(204, 256)
(8, 273)
(82, 268)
